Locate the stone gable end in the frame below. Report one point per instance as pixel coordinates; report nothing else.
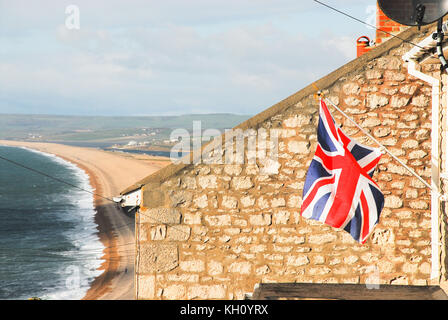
(218, 229)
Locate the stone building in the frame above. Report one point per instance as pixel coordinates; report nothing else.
(210, 229)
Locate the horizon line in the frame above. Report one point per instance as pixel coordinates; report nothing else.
(125, 116)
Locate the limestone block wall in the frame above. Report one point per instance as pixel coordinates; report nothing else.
(444, 169)
(213, 231)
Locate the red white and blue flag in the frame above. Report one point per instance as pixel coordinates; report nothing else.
(339, 190)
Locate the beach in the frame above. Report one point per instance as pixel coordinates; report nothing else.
(109, 173)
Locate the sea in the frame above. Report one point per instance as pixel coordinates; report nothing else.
(49, 246)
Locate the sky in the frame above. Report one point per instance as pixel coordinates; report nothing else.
(171, 57)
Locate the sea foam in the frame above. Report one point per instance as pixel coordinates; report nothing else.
(85, 259)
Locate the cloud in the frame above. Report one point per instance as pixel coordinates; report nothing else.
(143, 57)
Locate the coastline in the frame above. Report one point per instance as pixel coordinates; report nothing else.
(109, 173)
(101, 284)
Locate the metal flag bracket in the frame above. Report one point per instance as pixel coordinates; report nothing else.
(319, 94)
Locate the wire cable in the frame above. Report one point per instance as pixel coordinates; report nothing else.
(54, 178)
(365, 23)
(88, 191)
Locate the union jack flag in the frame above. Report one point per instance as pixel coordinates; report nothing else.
(339, 190)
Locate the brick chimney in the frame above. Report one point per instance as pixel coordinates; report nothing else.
(383, 23)
(386, 24)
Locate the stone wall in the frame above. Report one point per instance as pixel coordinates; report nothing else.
(444, 182)
(213, 231)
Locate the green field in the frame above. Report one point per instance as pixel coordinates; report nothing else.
(108, 130)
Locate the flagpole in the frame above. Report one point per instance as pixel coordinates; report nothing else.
(383, 148)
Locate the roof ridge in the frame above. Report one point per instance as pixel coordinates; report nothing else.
(323, 83)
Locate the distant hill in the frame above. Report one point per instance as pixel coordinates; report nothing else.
(104, 128)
